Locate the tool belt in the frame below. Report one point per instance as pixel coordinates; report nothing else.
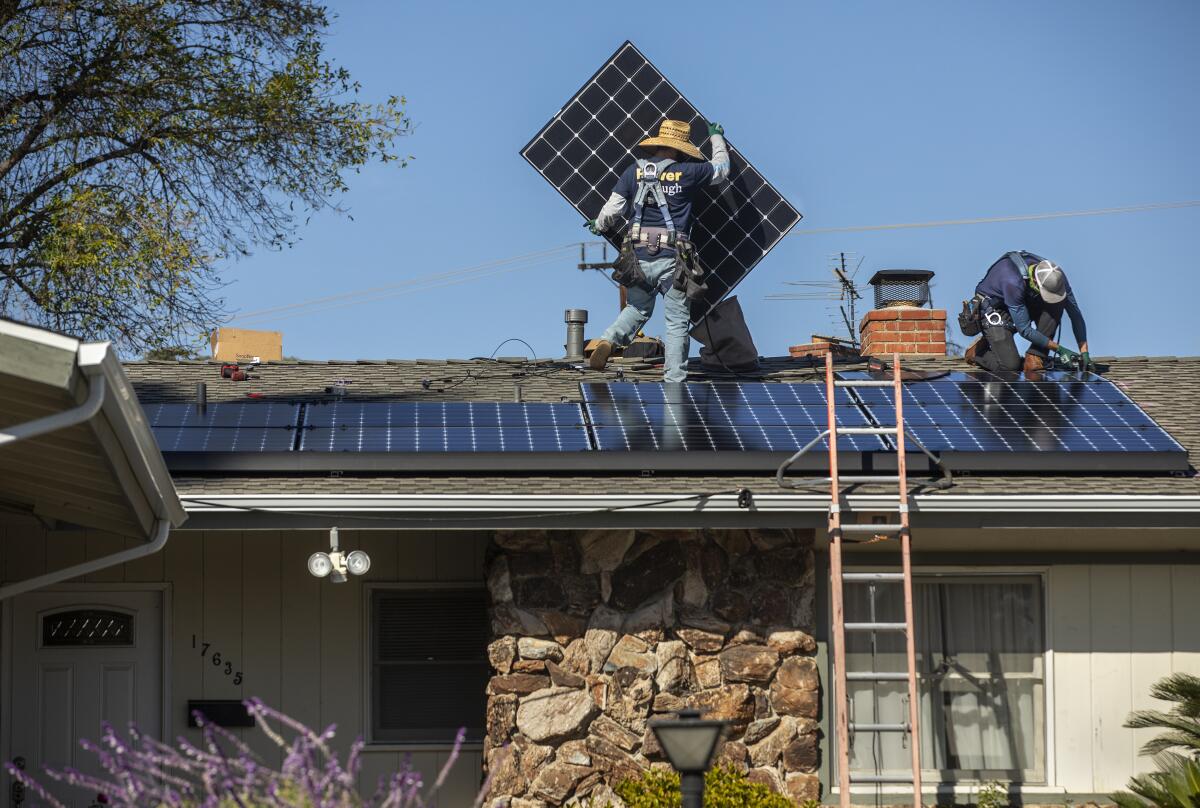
(969, 319)
(654, 239)
(993, 316)
(689, 275)
(627, 269)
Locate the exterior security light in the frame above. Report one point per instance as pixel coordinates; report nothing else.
(335, 564)
(689, 743)
(358, 562)
(319, 565)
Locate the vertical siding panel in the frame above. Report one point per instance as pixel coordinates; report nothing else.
(99, 544)
(222, 613)
(1112, 676)
(1185, 628)
(300, 633)
(341, 654)
(417, 561)
(26, 550)
(374, 766)
(1070, 603)
(426, 764)
(184, 569)
(380, 545)
(261, 596)
(463, 782)
(64, 548)
(1151, 657)
(455, 556)
(147, 568)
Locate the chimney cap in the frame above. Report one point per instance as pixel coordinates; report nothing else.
(894, 275)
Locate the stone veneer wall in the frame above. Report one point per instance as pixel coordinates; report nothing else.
(597, 632)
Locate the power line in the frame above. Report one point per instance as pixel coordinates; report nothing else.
(995, 219)
(466, 273)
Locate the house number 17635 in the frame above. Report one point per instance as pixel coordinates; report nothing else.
(217, 659)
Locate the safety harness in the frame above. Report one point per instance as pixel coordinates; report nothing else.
(649, 184)
(627, 269)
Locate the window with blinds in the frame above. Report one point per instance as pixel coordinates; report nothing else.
(981, 675)
(429, 668)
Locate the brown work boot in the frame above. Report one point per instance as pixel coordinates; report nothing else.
(1033, 364)
(600, 353)
(972, 349)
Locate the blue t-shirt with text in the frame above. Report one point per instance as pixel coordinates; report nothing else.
(680, 183)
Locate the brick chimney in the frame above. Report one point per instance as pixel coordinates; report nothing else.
(903, 320)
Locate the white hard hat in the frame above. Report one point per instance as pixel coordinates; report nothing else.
(1051, 281)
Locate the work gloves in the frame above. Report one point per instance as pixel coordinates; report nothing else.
(590, 224)
(1086, 359)
(1065, 354)
(715, 129)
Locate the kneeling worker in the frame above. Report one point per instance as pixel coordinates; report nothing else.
(1025, 294)
(657, 194)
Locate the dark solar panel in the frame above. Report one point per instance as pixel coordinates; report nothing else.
(1059, 421)
(452, 426)
(227, 426)
(224, 414)
(746, 417)
(586, 146)
(247, 439)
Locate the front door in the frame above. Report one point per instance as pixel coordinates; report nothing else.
(79, 658)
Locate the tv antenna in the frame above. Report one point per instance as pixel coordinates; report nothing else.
(841, 290)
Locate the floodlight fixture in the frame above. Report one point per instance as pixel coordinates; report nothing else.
(690, 744)
(335, 564)
(320, 565)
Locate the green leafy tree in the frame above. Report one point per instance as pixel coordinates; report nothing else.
(142, 142)
(1176, 783)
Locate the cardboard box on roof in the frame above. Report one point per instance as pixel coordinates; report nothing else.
(245, 345)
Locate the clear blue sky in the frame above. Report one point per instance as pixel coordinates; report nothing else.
(860, 113)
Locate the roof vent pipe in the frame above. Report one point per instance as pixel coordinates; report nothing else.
(575, 320)
(201, 398)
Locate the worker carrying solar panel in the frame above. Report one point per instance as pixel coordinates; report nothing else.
(1023, 293)
(657, 257)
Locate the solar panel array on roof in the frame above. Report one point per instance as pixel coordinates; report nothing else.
(585, 147)
(975, 421)
(451, 426)
(1060, 422)
(739, 418)
(232, 426)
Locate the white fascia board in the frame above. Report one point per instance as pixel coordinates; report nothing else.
(128, 421)
(674, 503)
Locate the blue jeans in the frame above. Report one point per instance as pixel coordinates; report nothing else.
(677, 313)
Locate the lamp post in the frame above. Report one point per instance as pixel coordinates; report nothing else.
(689, 743)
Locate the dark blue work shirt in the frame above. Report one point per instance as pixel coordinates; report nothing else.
(1008, 287)
(680, 183)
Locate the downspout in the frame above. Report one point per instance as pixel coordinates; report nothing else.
(161, 531)
(61, 420)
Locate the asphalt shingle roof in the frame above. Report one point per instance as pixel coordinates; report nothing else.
(1168, 388)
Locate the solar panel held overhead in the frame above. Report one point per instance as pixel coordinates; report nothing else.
(585, 147)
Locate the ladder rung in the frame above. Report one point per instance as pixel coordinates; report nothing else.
(871, 528)
(872, 576)
(867, 430)
(880, 778)
(872, 676)
(865, 478)
(862, 383)
(878, 727)
(876, 627)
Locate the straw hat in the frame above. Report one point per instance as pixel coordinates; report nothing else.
(674, 135)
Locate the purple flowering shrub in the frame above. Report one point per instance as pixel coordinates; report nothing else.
(223, 772)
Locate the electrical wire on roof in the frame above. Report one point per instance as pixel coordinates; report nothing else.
(1032, 217)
